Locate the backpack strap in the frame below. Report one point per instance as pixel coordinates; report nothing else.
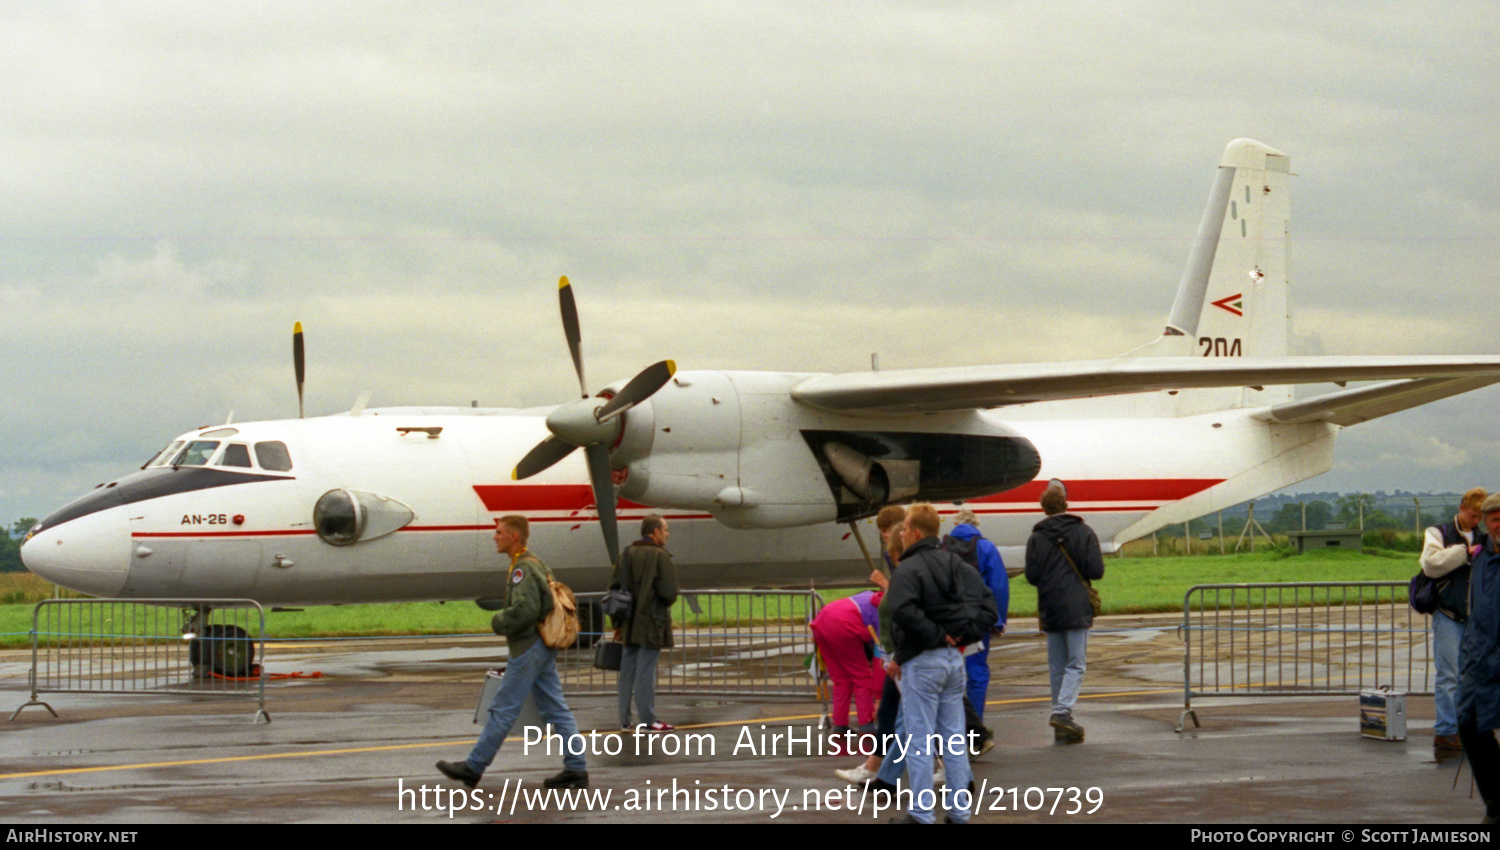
(1058, 542)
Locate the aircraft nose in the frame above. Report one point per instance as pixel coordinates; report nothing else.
(89, 554)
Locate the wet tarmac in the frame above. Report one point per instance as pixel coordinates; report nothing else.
(358, 745)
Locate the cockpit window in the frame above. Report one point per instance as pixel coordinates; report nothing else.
(273, 456)
(165, 456)
(235, 454)
(196, 453)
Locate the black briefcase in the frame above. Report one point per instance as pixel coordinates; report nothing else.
(607, 654)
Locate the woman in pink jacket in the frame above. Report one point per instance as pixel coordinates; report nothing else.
(845, 634)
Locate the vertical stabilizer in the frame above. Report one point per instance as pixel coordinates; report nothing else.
(1232, 300)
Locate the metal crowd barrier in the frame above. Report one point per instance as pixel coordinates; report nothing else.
(197, 647)
(728, 643)
(1301, 639)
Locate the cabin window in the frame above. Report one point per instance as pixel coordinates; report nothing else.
(273, 456)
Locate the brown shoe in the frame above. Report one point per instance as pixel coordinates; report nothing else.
(1446, 744)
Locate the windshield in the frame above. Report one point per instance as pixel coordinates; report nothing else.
(165, 456)
(196, 453)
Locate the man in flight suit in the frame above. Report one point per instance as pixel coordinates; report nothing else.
(532, 669)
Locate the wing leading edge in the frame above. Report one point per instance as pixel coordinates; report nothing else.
(967, 388)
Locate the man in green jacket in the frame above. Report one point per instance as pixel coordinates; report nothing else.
(645, 569)
(531, 670)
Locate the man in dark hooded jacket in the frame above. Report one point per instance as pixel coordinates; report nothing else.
(1479, 666)
(1060, 555)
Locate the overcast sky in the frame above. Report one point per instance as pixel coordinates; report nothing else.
(781, 186)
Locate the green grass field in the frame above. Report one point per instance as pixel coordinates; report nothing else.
(1131, 586)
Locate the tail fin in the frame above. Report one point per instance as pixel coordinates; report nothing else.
(1232, 300)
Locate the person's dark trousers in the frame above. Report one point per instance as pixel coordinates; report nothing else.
(973, 723)
(885, 716)
(1484, 760)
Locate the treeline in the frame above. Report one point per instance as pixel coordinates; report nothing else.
(1380, 516)
(10, 544)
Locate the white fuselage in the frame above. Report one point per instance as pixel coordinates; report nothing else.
(250, 532)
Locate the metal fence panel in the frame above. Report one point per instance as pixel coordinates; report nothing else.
(1300, 639)
(201, 647)
(728, 643)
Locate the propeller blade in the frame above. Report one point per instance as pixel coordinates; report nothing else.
(541, 456)
(571, 329)
(640, 388)
(299, 363)
(604, 497)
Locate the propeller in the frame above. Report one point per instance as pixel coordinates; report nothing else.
(588, 423)
(299, 363)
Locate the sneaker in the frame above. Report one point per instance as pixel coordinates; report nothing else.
(568, 779)
(855, 775)
(939, 774)
(659, 726)
(906, 818)
(1448, 743)
(459, 772)
(903, 819)
(1067, 725)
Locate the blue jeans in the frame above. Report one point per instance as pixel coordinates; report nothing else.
(891, 769)
(638, 677)
(1065, 664)
(533, 673)
(932, 702)
(1446, 636)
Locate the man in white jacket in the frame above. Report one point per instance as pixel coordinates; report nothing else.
(1446, 553)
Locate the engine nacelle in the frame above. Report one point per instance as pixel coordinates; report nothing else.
(735, 445)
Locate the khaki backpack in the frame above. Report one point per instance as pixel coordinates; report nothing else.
(559, 629)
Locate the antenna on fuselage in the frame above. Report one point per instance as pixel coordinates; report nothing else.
(299, 363)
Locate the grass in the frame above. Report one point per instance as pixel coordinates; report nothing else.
(1131, 585)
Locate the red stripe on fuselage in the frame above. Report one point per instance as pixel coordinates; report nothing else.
(283, 533)
(519, 498)
(1113, 495)
(1135, 490)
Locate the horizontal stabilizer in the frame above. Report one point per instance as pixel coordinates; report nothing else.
(967, 388)
(1361, 404)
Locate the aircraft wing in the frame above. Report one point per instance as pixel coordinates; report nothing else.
(1361, 404)
(970, 387)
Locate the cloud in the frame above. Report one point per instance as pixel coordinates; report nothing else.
(767, 186)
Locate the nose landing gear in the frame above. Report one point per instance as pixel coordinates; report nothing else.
(218, 648)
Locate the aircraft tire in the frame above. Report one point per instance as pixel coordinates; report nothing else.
(225, 650)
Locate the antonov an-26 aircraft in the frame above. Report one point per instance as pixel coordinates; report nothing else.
(755, 470)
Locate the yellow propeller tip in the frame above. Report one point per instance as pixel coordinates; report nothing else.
(671, 367)
(514, 476)
(562, 282)
(296, 327)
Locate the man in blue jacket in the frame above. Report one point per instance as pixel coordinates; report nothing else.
(966, 542)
